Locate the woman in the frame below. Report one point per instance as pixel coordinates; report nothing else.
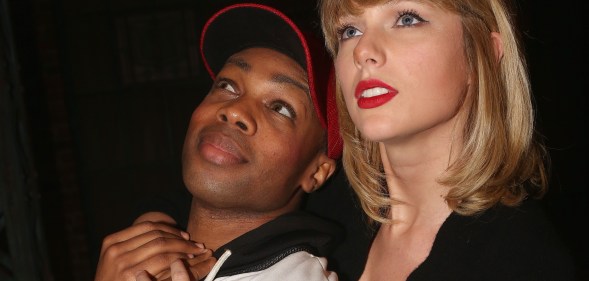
(439, 142)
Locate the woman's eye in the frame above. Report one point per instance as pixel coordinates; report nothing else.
(284, 109)
(408, 19)
(225, 85)
(347, 32)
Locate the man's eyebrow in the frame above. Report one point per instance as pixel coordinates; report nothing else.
(277, 78)
(239, 62)
(281, 78)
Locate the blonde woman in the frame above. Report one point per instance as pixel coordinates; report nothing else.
(439, 141)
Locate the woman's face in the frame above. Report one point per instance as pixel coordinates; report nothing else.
(402, 70)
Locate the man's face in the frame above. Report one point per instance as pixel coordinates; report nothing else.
(253, 137)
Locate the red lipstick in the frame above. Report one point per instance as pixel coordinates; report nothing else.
(373, 93)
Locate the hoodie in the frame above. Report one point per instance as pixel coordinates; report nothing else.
(291, 247)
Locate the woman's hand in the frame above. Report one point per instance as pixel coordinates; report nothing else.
(150, 247)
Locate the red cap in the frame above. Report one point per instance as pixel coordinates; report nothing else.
(241, 26)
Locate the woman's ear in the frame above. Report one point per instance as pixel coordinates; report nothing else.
(497, 45)
(320, 172)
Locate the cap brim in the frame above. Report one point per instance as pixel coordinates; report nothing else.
(239, 27)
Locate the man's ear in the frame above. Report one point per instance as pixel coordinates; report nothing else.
(319, 173)
(497, 45)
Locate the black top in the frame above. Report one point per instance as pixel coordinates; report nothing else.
(503, 243)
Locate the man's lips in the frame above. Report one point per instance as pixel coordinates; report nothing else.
(220, 149)
(373, 93)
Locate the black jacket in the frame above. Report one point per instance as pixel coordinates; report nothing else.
(266, 245)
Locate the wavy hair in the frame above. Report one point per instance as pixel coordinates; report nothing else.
(502, 160)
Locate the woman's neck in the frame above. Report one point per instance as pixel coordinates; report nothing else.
(412, 175)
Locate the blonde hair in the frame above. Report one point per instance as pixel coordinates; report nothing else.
(501, 161)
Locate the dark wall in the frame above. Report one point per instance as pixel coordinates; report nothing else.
(110, 85)
(558, 67)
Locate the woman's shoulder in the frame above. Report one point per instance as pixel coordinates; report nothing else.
(502, 243)
(523, 225)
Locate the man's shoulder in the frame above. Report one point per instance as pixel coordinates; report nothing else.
(271, 243)
(296, 266)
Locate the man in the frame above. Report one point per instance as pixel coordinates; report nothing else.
(263, 137)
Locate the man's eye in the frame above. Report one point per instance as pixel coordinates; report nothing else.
(347, 32)
(284, 109)
(226, 86)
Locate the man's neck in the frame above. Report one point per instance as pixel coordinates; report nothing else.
(215, 228)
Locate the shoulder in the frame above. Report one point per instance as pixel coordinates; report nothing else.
(304, 266)
(511, 241)
(297, 266)
(500, 224)
(523, 227)
(503, 243)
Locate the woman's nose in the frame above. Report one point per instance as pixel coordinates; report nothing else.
(367, 52)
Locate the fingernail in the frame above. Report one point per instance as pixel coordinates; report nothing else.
(200, 245)
(190, 256)
(185, 235)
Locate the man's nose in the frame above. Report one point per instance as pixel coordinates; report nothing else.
(238, 115)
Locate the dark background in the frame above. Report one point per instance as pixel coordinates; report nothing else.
(95, 97)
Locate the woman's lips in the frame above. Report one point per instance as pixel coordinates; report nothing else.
(373, 93)
(220, 149)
